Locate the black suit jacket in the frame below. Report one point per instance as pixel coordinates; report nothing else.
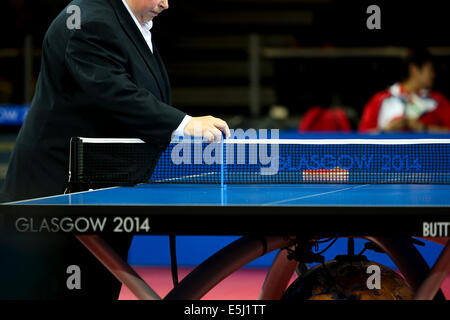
(99, 81)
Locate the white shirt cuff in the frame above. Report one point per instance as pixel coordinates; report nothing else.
(179, 132)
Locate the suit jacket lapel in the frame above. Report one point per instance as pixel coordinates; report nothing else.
(135, 35)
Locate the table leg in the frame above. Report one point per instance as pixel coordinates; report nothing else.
(439, 271)
(407, 259)
(278, 277)
(224, 262)
(119, 268)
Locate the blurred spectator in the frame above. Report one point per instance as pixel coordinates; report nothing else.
(325, 119)
(409, 105)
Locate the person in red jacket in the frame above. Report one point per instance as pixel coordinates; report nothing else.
(409, 105)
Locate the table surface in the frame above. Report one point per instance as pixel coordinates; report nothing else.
(237, 209)
(340, 195)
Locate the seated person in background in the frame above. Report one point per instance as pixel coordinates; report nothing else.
(409, 105)
(322, 119)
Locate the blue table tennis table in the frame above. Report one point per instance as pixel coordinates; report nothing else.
(316, 195)
(268, 215)
(373, 212)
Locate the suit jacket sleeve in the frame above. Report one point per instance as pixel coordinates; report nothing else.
(98, 62)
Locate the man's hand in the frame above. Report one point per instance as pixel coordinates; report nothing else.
(207, 127)
(403, 124)
(415, 125)
(396, 125)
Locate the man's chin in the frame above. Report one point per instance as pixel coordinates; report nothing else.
(149, 17)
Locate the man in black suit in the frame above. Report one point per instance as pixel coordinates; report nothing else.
(105, 79)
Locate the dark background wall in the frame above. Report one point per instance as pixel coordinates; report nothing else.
(205, 47)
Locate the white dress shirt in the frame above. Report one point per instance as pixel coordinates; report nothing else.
(145, 31)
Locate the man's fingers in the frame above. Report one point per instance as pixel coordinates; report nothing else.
(217, 134)
(208, 136)
(222, 126)
(208, 127)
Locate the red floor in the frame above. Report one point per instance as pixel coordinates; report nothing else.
(244, 284)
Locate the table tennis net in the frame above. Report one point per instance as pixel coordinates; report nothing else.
(246, 161)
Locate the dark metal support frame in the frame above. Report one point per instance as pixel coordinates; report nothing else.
(246, 249)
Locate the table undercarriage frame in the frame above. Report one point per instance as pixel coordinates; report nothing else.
(424, 281)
